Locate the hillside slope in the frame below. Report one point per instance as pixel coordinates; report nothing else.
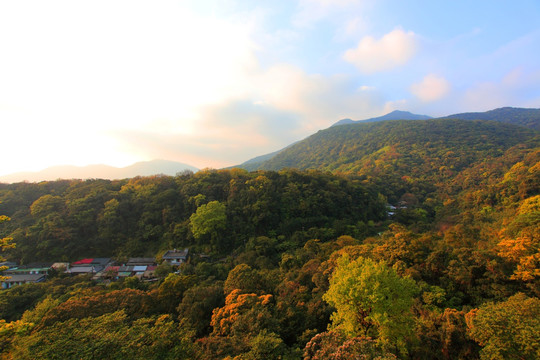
(406, 157)
(529, 118)
(357, 147)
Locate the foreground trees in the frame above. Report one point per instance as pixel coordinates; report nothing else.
(109, 336)
(333, 345)
(371, 299)
(265, 284)
(507, 330)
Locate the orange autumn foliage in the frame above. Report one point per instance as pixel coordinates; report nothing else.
(242, 313)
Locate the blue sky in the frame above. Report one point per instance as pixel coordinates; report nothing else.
(215, 83)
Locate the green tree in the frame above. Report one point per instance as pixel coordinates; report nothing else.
(371, 299)
(197, 305)
(243, 278)
(266, 346)
(46, 205)
(507, 330)
(134, 303)
(209, 220)
(170, 292)
(8, 331)
(163, 270)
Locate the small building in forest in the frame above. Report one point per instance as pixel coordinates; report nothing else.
(20, 279)
(88, 266)
(122, 271)
(24, 274)
(30, 269)
(176, 257)
(141, 262)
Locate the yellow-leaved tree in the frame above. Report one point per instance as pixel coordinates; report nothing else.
(507, 330)
(520, 244)
(372, 300)
(5, 243)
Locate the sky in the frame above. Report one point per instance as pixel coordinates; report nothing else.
(216, 83)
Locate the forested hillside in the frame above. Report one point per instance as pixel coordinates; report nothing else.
(410, 240)
(416, 144)
(529, 118)
(64, 220)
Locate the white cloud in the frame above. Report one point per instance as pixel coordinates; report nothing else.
(390, 106)
(319, 100)
(124, 81)
(283, 104)
(312, 11)
(393, 49)
(225, 134)
(354, 26)
(101, 66)
(431, 88)
(366, 88)
(517, 88)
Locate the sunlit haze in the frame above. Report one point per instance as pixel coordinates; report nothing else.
(213, 85)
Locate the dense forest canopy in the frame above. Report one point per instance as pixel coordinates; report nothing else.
(400, 239)
(416, 144)
(66, 220)
(529, 118)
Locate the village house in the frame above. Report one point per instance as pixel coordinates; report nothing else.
(30, 269)
(143, 268)
(20, 279)
(141, 262)
(116, 272)
(100, 268)
(176, 257)
(24, 274)
(88, 266)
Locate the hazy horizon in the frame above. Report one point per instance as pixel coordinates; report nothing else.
(215, 84)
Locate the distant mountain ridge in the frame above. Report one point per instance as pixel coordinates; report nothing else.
(394, 115)
(351, 148)
(528, 118)
(520, 117)
(143, 168)
(255, 163)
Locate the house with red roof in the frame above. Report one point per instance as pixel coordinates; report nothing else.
(88, 266)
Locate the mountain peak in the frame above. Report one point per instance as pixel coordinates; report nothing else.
(344, 122)
(528, 118)
(394, 115)
(401, 113)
